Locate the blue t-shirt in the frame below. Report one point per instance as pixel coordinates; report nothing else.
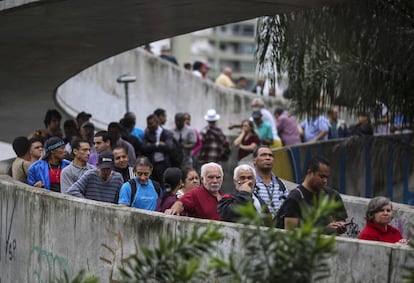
(145, 198)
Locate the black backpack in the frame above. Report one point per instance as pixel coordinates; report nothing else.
(280, 215)
(157, 187)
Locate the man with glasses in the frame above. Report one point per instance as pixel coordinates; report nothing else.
(202, 202)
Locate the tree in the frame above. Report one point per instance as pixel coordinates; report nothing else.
(355, 54)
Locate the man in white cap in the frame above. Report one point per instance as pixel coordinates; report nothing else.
(215, 146)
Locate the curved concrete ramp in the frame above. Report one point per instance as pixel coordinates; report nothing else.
(158, 84)
(43, 43)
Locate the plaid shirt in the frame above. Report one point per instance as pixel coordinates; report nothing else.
(214, 143)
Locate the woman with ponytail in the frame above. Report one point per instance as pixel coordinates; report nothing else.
(172, 183)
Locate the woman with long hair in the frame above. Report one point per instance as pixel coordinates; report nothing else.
(191, 179)
(172, 183)
(247, 141)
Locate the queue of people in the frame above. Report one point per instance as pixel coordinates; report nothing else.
(99, 167)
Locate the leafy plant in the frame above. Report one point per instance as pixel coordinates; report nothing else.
(273, 255)
(176, 259)
(355, 54)
(81, 277)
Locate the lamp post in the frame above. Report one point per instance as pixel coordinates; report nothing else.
(126, 79)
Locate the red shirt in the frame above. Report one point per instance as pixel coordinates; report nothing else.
(374, 232)
(198, 202)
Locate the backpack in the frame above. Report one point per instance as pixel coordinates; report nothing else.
(133, 185)
(280, 215)
(176, 154)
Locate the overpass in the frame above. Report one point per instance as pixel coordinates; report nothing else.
(43, 43)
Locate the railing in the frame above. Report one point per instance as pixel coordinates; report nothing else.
(360, 166)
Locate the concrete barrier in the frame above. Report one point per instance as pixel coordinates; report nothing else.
(159, 84)
(43, 234)
(360, 166)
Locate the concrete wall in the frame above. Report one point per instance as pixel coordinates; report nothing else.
(159, 84)
(43, 233)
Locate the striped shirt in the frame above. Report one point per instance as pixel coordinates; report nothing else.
(92, 186)
(271, 194)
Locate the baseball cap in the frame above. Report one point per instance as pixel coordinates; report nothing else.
(256, 114)
(106, 160)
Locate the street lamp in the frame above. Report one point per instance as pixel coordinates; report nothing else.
(126, 79)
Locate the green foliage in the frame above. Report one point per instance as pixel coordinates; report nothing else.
(353, 54)
(176, 259)
(81, 277)
(267, 254)
(273, 255)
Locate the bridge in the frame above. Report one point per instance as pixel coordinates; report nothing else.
(44, 43)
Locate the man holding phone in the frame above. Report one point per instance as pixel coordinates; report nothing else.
(315, 183)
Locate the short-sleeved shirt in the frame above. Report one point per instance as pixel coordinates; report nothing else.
(312, 128)
(145, 198)
(271, 194)
(264, 130)
(295, 198)
(198, 202)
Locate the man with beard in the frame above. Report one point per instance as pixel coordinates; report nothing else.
(268, 187)
(202, 202)
(101, 184)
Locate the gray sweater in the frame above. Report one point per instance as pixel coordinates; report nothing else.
(71, 174)
(92, 186)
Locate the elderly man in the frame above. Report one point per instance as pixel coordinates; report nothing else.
(45, 173)
(269, 187)
(202, 202)
(81, 151)
(313, 186)
(101, 184)
(224, 79)
(244, 180)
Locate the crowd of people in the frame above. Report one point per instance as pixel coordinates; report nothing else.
(179, 171)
